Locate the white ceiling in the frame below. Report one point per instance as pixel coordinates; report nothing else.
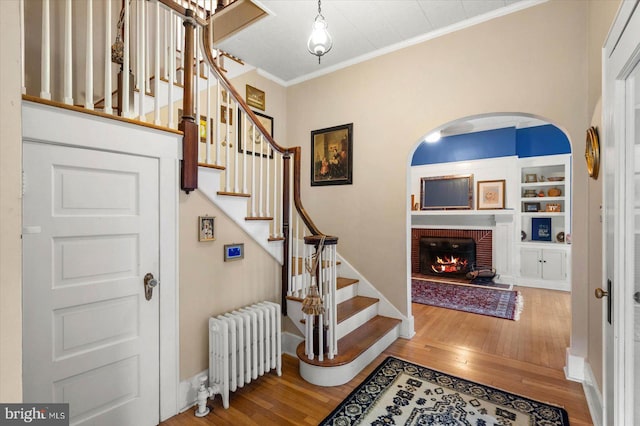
(361, 29)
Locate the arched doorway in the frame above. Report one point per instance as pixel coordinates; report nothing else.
(501, 147)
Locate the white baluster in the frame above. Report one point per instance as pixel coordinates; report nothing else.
(217, 139)
(141, 49)
(267, 179)
(236, 185)
(156, 68)
(261, 181)
(253, 171)
(108, 97)
(88, 100)
(227, 174)
(167, 34)
(68, 53)
(126, 69)
(136, 68)
(274, 222)
(209, 121)
(243, 136)
(147, 52)
(172, 69)
(22, 47)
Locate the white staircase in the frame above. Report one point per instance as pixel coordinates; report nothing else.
(367, 322)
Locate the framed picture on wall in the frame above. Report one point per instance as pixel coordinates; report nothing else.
(255, 144)
(206, 228)
(233, 252)
(490, 194)
(332, 156)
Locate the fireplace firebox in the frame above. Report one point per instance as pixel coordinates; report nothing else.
(447, 255)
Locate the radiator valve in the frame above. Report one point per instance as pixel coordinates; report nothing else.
(203, 396)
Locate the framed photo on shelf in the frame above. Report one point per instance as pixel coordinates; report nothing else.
(541, 229)
(530, 177)
(531, 207)
(233, 252)
(490, 194)
(260, 146)
(332, 156)
(206, 228)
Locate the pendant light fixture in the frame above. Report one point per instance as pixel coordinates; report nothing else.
(320, 41)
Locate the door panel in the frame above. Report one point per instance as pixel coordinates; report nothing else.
(633, 139)
(621, 144)
(90, 337)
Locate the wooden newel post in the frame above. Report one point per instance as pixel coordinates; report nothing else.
(189, 172)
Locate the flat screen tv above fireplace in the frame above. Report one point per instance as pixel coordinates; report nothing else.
(446, 192)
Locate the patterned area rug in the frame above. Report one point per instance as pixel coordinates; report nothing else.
(401, 393)
(478, 300)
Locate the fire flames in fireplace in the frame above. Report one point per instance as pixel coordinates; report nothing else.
(447, 255)
(448, 265)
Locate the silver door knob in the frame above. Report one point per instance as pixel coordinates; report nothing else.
(600, 293)
(149, 283)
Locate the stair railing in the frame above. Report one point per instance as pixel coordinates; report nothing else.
(157, 66)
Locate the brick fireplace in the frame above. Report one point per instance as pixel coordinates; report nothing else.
(483, 239)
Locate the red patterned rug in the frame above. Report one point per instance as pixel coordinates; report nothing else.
(477, 300)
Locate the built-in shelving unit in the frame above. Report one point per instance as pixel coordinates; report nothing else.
(545, 221)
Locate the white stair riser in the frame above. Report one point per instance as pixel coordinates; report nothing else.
(339, 375)
(346, 293)
(347, 326)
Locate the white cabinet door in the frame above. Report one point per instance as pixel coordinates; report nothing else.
(530, 262)
(553, 265)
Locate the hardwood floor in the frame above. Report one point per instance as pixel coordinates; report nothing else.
(524, 357)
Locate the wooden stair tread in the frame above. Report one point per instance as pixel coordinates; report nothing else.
(354, 343)
(352, 306)
(276, 239)
(258, 218)
(234, 194)
(345, 282)
(211, 166)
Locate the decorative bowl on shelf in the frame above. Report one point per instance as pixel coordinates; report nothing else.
(530, 193)
(554, 192)
(555, 178)
(560, 237)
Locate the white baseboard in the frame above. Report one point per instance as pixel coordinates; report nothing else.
(593, 395)
(574, 368)
(290, 343)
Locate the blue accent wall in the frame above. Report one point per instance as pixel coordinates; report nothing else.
(528, 142)
(541, 140)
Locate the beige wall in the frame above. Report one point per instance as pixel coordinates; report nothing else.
(534, 61)
(208, 285)
(10, 206)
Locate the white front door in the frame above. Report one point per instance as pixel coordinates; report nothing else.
(90, 234)
(621, 152)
